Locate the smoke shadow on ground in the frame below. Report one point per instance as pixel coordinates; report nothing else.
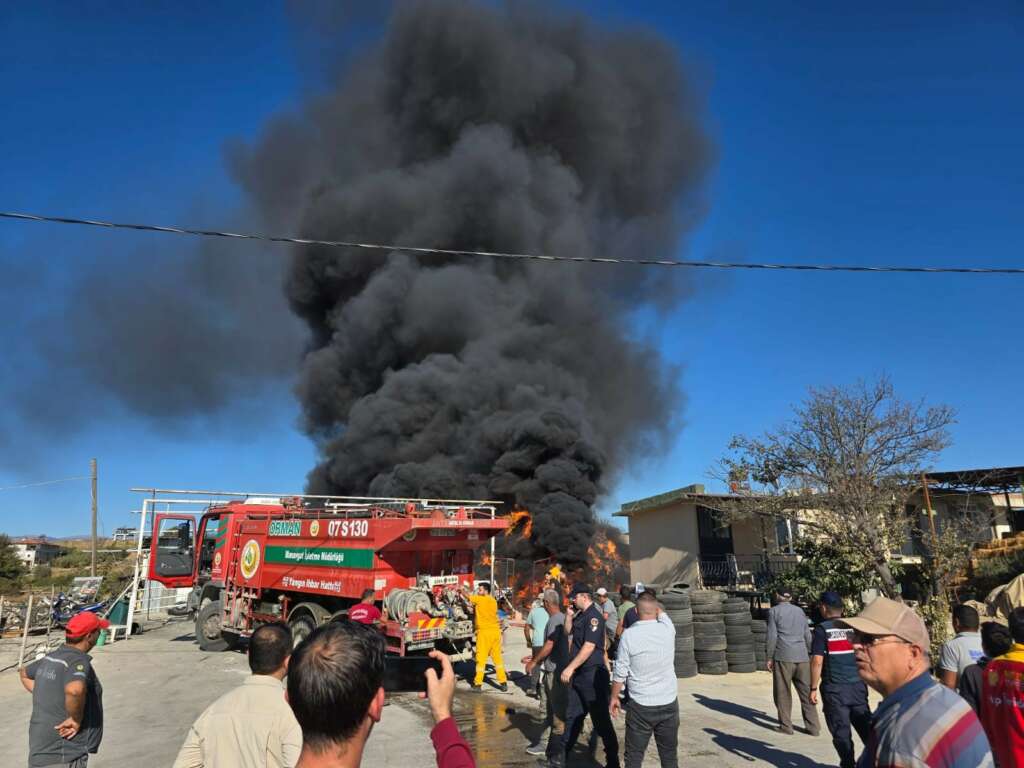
(747, 714)
(752, 749)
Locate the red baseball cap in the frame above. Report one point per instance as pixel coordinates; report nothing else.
(81, 624)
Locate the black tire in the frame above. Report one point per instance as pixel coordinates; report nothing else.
(698, 607)
(672, 600)
(704, 628)
(708, 618)
(302, 626)
(738, 647)
(710, 643)
(684, 630)
(740, 658)
(208, 632)
(705, 596)
(734, 608)
(733, 630)
(713, 668)
(739, 636)
(759, 625)
(684, 644)
(680, 615)
(743, 668)
(709, 657)
(736, 619)
(689, 670)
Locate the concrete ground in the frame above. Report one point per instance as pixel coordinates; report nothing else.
(157, 683)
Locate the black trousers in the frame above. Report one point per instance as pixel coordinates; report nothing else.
(661, 721)
(590, 694)
(846, 704)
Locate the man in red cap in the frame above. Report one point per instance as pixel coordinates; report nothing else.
(67, 699)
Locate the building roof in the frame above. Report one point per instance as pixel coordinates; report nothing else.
(37, 540)
(693, 492)
(991, 478)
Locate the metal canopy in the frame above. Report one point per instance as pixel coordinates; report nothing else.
(990, 479)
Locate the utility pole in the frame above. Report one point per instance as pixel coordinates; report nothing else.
(92, 473)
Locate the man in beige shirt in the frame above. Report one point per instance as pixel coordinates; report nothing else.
(251, 726)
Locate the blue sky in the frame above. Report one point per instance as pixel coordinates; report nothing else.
(865, 135)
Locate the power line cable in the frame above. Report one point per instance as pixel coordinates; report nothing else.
(44, 482)
(504, 255)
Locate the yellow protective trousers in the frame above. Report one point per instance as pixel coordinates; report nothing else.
(488, 643)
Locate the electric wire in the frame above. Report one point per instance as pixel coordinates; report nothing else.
(505, 255)
(44, 482)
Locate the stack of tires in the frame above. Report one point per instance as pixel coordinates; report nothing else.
(677, 607)
(759, 628)
(709, 641)
(739, 651)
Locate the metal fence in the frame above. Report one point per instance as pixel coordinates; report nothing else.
(752, 572)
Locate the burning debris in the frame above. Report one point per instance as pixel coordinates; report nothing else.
(495, 128)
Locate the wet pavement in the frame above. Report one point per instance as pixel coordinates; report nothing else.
(156, 684)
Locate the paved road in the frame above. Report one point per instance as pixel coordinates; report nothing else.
(155, 685)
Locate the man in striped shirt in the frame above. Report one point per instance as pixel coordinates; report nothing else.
(919, 724)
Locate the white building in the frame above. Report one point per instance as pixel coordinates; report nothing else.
(37, 550)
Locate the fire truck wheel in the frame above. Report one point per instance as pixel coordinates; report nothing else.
(208, 632)
(302, 626)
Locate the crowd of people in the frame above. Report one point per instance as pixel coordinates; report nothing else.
(971, 716)
(315, 705)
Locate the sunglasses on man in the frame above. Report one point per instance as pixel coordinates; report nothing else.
(869, 641)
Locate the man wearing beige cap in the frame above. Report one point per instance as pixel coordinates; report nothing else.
(919, 722)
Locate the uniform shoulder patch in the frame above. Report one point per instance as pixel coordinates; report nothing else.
(80, 667)
(593, 623)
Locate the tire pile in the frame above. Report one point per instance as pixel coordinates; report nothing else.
(678, 609)
(740, 655)
(709, 638)
(759, 627)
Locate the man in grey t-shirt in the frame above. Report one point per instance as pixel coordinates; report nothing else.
(964, 649)
(553, 657)
(67, 699)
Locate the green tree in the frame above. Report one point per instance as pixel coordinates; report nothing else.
(843, 468)
(822, 567)
(12, 570)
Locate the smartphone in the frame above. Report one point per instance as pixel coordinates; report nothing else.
(408, 673)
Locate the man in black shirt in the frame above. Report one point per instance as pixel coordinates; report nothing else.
(995, 641)
(587, 675)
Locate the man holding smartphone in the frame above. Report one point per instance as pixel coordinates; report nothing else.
(335, 689)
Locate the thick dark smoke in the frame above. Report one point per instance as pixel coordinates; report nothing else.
(478, 127)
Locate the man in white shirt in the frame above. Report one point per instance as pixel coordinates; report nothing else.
(251, 726)
(646, 661)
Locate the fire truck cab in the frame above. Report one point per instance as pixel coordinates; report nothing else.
(305, 561)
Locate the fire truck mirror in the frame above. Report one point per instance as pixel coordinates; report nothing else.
(174, 548)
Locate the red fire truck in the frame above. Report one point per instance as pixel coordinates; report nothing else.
(305, 561)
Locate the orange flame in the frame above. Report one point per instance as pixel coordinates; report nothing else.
(522, 522)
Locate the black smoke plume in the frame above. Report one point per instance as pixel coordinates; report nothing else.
(505, 128)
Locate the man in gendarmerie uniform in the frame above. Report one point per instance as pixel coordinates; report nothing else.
(587, 676)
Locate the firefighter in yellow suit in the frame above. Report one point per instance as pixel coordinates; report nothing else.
(488, 635)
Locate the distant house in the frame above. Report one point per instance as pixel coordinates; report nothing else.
(679, 536)
(125, 534)
(36, 550)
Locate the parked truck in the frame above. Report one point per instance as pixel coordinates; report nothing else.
(305, 561)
